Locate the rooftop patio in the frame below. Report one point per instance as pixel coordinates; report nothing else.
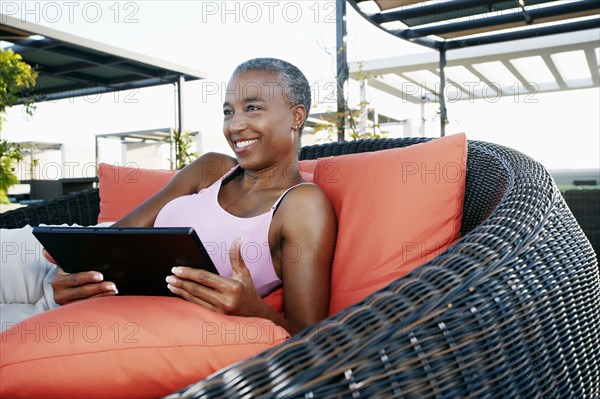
(508, 310)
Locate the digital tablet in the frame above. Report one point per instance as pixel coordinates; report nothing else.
(136, 259)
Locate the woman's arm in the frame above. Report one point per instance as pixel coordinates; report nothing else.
(198, 175)
(308, 243)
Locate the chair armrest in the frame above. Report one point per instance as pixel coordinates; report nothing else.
(81, 208)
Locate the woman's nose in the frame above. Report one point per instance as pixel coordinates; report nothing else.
(237, 123)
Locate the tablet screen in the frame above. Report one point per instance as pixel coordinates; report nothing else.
(136, 259)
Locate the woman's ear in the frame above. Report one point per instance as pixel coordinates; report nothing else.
(299, 114)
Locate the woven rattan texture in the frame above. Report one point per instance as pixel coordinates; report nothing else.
(81, 208)
(510, 311)
(585, 205)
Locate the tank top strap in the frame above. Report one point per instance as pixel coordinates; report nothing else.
(276, 204)
(231, 173)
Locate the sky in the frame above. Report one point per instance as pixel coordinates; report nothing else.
(561, 130)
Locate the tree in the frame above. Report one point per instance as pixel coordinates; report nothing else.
(16, 77)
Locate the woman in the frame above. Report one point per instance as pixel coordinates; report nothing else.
(272, 228)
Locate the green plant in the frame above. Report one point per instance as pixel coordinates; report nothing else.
(16, 77)
(10, 154)
(181, 142)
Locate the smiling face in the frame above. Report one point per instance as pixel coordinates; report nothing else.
(258, 120)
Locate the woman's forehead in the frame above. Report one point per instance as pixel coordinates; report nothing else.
(264, 85)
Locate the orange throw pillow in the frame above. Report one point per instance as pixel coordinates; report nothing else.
(117, 347)
(123, 188)
(396, 210)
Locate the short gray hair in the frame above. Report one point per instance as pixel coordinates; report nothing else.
(295, 85)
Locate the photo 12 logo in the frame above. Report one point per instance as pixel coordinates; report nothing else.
(70, 11)
(490, 92)
(268, 11)
(88, 95)
(56, 171)
(322, 92)
(71, 331)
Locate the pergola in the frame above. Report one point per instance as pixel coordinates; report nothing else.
(70, 66)
(513, 34)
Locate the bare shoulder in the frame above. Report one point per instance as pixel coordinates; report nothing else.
(307, 200)
(205, 170)
(306, 191)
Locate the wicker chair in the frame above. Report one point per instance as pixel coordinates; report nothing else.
(510, 311)
(585, 205)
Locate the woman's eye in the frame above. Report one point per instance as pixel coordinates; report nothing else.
(227, 112)
(252, 108)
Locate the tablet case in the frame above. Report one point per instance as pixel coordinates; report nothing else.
(136, 259)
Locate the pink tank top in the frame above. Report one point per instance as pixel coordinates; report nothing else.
(217, 229)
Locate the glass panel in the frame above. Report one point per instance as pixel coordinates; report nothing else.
(535, 70)
(471, 85)
(497, 73)
(572, 65)
(425, 78)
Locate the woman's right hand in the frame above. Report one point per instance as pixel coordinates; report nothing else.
(72, 287)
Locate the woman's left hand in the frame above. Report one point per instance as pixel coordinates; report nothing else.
(235, 295)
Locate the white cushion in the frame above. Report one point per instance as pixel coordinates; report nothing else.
(25, 276)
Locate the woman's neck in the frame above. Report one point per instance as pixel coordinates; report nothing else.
(276, 176)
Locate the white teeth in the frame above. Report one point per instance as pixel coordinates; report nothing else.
(246, 143)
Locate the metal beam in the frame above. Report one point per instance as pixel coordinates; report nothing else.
(383, 85)
(521, 79)
(593, 65)
(342, 66)
(432, 9)
(554, 71)
(525, 34)
(497, 20)
(442, 95)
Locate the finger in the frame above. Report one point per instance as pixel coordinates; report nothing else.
(235, 251)
(86, 291)
(237, 262)
(83, 278)
(191, 298)
(102, 294)
(64, 280)
(200, 291)
(199, 276)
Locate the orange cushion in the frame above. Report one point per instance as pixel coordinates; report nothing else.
(123, 188)
(396, 209)
(275, 301)
(125, 347)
